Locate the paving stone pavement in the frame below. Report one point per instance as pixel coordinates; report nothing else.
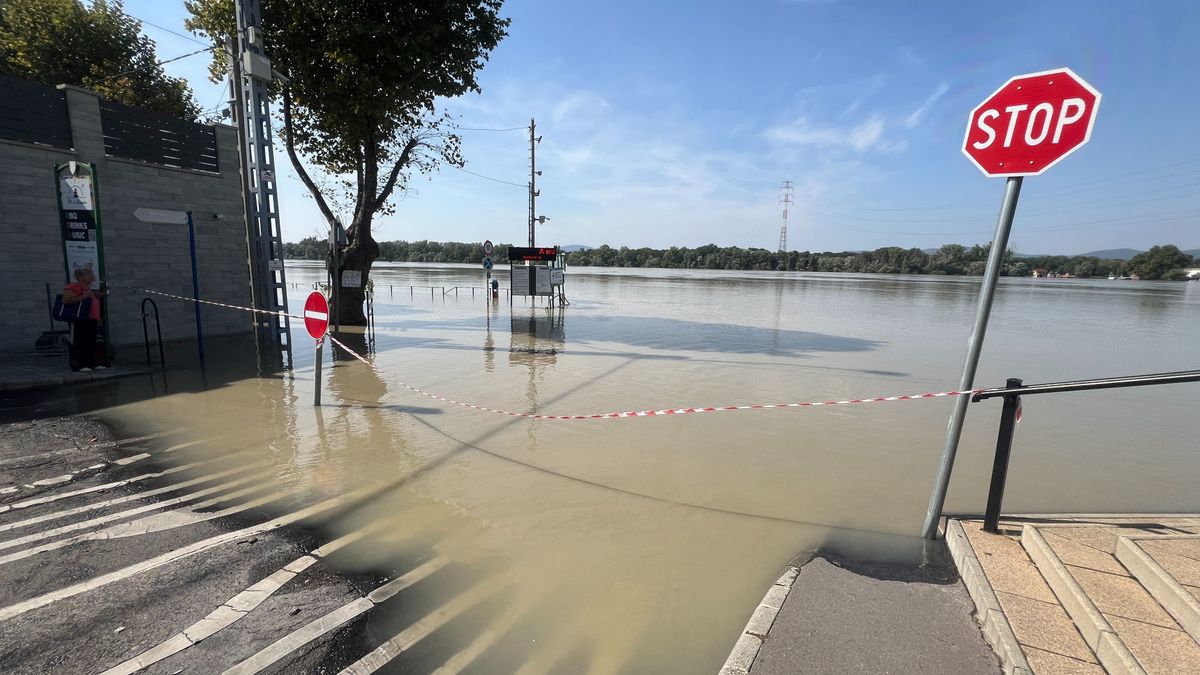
(37, 371)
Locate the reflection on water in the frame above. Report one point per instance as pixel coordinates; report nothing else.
(641, 545)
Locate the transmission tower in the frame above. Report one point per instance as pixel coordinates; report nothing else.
(786, 191)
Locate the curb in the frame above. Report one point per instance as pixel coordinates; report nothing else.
(1160, 583)
(996, 628)
(745, 650)
(1110, 650)
(51, 381)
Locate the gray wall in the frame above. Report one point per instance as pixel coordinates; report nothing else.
(144, 255)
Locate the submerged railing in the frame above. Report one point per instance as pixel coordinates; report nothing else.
(1012, 392)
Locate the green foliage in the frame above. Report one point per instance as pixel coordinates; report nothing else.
(97, 47)
(365, 79)
(1160, 262)
(308, 248)
(951, 259)
(361, 103)
(313, 248)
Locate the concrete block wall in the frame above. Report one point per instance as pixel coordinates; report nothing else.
(143, 255)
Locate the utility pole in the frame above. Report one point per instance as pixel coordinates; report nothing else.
(533, 174)
(786, 190)
(252, 75)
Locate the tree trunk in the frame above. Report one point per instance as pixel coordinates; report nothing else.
(358, 256)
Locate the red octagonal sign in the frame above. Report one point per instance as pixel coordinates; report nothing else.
(316, 315)
(1031, 123)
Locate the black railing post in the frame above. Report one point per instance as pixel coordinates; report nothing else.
(1008, 422)
(146, 332)
(157, 331)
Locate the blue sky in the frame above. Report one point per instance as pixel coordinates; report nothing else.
(673, 123)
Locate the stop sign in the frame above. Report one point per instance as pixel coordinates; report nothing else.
(1031, 123)
(316, 315)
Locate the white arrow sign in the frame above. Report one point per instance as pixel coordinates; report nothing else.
(160, 216)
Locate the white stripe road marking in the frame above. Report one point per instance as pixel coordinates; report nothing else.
(128, 498)
(129, 513)
(403, 641)
(96, 488)
(35, 501)
(234, 609)
(75, 475)
(159, 522)
(107, 445)
(184, 552)
(333, 620)
(222, 617)
(320, 316)
(465, 657)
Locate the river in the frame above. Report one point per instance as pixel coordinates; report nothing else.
(643, 544)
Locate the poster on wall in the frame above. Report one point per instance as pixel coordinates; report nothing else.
(79, 219)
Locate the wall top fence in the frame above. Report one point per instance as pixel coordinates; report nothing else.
(31, 112)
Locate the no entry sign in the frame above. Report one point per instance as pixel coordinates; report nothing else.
(1031, 123)
(316, 315)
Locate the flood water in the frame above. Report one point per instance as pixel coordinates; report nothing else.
(643, 544)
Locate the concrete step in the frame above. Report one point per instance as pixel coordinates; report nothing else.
(1123, 623)
(1168, 567)
(1097, 632)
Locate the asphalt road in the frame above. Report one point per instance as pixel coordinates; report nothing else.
(844, 616)
(110, 553)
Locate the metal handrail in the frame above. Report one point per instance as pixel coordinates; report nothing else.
(157, 329)
(1012, 392)
(1175, 377)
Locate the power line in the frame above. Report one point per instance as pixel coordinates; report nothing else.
(1070, 189)
(495, 180)
(1104, 222)
(223, 102)
(486, 129)
(1166, 192)
(156, 64)
(168, 30)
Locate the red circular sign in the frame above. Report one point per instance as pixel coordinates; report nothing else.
(316, 315)
(1031, 123)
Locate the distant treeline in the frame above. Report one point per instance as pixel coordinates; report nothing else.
(952, 259)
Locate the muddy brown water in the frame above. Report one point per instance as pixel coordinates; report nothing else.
(642, 545)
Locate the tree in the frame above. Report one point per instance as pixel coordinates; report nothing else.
(97, 47)
(361, 107)
(1158, 262)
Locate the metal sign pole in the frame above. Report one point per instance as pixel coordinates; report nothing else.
(317, 372)
(195, 287)
(937, 499)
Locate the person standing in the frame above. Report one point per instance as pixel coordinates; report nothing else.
(83, 328)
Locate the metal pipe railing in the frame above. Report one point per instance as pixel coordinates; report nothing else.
(1012, 392)
(1176, 377)
(157, 329)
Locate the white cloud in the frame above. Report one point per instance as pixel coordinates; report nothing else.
(578, 103)
(909, 56)
(860, 137)
(914, 118)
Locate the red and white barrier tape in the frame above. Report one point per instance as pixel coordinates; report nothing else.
(597, 416)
